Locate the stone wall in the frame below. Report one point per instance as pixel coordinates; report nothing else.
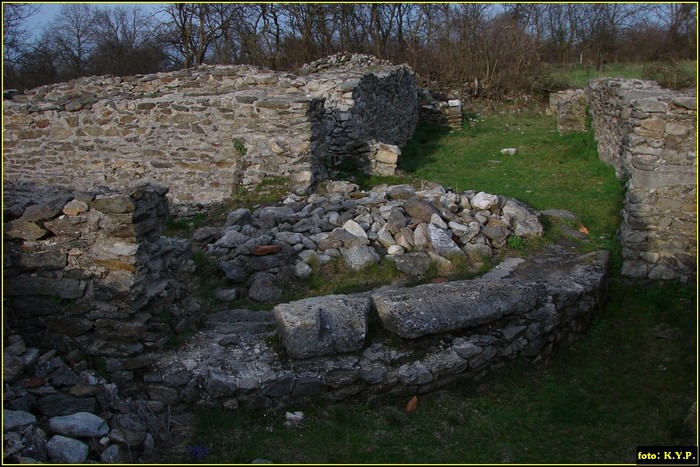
(91, 271)
(56, 407)
(649, 135)
(438, 110)
(205, 132)
(570, 108)
(389, 341)
(368, 101)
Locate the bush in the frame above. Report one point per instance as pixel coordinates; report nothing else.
(668, 74)
(542, 82)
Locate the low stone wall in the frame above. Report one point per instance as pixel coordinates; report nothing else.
(435, 111)
(649, 135)
(570, 109)
(345, 345)
(91, 271)
(57, 408)
(208, 131)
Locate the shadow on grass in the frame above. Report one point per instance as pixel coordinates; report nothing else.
(422, 148)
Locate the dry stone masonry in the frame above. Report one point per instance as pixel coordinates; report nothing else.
(328, 352)
(94, 294)
(206, 132)
(257, 251)
(570, 109)
(436, 109)
(649, 135)
(364, 109)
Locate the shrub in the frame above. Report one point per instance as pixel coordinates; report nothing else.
(668, 74)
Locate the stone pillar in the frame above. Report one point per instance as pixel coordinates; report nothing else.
(571, 112)
(649, 135)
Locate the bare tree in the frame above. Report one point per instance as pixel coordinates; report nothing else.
(72, 37)
(125, 42)
(679, 20)
(16, 37)
(193, 30)
(230, 17)
(15, 32)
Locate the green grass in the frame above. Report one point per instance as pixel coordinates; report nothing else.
(618, 388)
(577, 76)
(548, 172)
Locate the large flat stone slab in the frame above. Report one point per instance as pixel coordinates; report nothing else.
(323, 325)
(435, 308)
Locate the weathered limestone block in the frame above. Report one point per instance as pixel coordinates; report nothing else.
(435, 308)
(323, 325)
(360, 256)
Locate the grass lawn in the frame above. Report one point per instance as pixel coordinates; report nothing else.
(629, 382)
(667, 74)
(548, 172)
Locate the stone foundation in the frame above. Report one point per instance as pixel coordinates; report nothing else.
(213, 370)
(89, 276)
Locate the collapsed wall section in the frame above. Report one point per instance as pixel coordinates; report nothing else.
(369, 103)
(649, 135)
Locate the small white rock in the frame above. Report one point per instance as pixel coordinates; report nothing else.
(395, 250)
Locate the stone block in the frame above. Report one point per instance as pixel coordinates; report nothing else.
(24, 230)
(114, 204)
(359, 256)
(436, 308)
(323, 325)
(50, 286)
(388, 154)
(419, 209)
(79, 425)
(64, 450)
(525, 220)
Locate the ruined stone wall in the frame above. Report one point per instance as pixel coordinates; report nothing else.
(649, 135)
(91, 271)
(368, 101)
(228, 364)
(432, 335)
(440, 110)
(93, 292)
(205, 132)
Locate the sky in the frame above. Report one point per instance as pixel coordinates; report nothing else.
(47, 12)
